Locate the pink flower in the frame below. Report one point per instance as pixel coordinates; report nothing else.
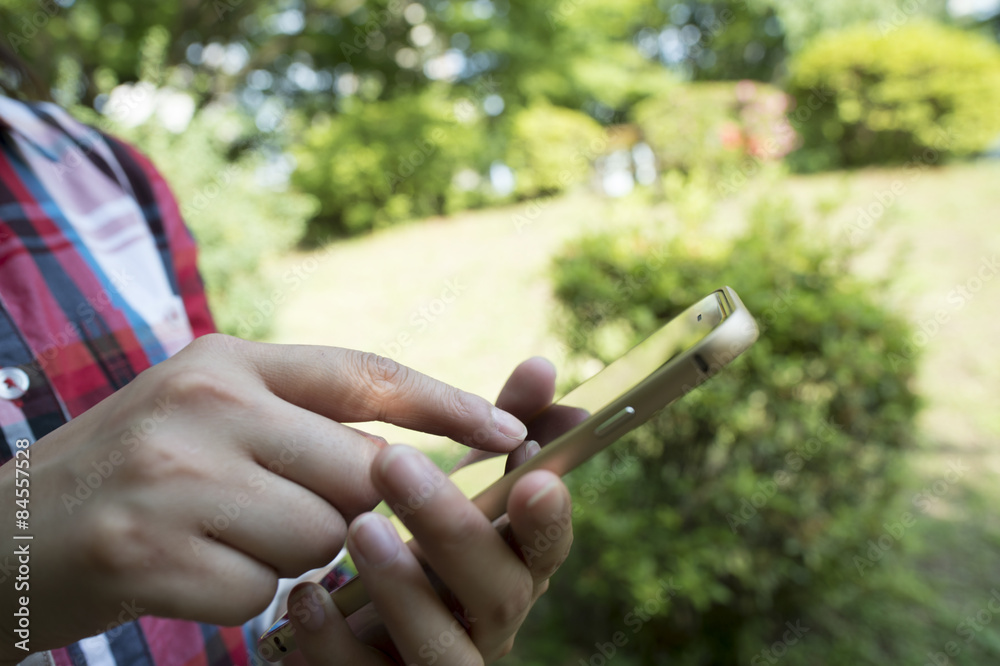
(731, 136)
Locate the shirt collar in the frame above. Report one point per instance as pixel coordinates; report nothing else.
(24, 120)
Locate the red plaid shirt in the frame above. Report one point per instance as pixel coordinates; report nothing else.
(97, 283)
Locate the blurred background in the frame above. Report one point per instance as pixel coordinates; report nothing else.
(463, 184)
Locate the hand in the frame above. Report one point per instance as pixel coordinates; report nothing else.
(491, 582)
(190, 491)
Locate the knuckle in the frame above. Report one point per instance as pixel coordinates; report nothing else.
(187, 382)
(383, 376)
(516, 602)
(159, 463)
(214, 343)
(460, 404)
(117, 542)
(195, 386)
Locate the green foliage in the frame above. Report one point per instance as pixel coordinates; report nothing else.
(552, 148)
(750, 497)
(732, 39)
(805, 20)
(715, 128)
(241, 225)
(376, 164)
(912, 93)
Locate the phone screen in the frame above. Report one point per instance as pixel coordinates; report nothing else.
(628, 371)
(624, 394)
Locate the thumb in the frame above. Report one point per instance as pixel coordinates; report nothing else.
(321, 632)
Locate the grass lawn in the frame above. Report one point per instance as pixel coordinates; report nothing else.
(466, 298)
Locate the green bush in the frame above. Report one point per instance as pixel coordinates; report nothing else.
(915, 92)
(716, 128)
(242, 227)
(378, 163)
(734, 511)
(552, 148)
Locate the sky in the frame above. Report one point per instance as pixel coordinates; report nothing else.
(976, 8)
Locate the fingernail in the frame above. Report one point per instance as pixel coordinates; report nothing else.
(387, 458)
(306, 604)
(374, 540)
(409, 473)
(531, 449)
(380, 442)
(543, 492)
(509, 425)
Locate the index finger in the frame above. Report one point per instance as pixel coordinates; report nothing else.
(353, 386)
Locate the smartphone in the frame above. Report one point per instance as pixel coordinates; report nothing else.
(680, 356)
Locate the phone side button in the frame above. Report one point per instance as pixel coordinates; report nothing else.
(615, 421)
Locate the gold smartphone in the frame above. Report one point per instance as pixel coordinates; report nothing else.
(671, 362)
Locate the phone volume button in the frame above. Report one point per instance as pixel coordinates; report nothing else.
(618, 419)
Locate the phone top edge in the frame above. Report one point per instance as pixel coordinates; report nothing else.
(676, 377)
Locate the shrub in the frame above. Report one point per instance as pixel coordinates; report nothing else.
(377, 163)
(715, 127)
(552, 148)
(702, 533)
(910, 93)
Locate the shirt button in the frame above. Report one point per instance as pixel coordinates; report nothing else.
(13, 383)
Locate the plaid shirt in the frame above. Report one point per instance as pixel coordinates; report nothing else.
(97, 283)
